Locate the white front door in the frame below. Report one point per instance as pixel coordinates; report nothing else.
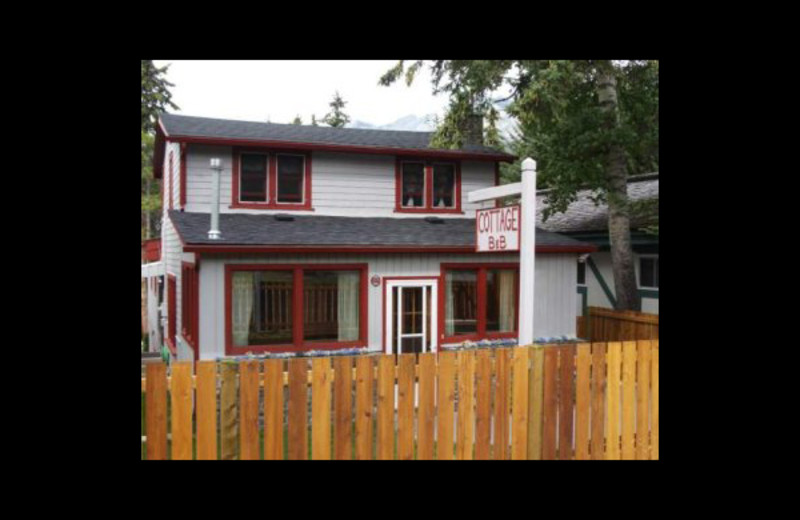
(411, 318)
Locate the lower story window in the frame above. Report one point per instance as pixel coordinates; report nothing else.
(648, 272)
(480, 302)
(296, 306)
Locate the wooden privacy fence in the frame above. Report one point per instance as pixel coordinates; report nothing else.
(610, 325)
(584, 401)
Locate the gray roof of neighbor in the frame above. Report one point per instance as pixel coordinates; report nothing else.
(266, 230)
(583, 215)
(190, 126)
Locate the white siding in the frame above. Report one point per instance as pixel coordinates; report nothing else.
(342, 184)
(555, 289)
(597, 297)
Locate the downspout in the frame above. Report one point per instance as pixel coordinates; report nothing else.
(216, 167)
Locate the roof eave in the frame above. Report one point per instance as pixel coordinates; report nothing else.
(239, 248)
(378, 150)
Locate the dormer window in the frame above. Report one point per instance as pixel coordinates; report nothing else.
(428, 187)
(269, 179)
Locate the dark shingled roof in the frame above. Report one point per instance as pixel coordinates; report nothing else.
(266, 230)
(189, 126)
(583, 215)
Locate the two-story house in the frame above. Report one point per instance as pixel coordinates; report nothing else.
(334, 238)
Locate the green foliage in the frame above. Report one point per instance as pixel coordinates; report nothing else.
(156, 96)
(562, 124)
(314, 120)
(336, 117)
(297, 120)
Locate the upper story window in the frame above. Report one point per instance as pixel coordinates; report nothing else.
(648, 272)
(267, 179)
(428, 187)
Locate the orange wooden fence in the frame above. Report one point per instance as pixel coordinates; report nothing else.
(609, 325)
(581, 401)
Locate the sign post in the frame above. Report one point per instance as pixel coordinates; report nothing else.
(495, 230)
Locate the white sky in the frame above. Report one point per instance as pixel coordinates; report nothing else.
(279, 90)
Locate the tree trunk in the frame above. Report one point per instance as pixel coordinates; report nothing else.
(619, 227)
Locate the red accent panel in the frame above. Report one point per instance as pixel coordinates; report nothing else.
(190, 305)
(376, 150)
(151, 250)
(299, 344)
(183, 175)
(367, 249)
(171, 306)
(169, 176)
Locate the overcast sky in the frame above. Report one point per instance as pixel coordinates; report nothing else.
(280, 90)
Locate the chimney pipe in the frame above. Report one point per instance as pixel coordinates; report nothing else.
(473, 130)
(216, 167)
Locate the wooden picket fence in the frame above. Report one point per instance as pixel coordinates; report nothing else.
(584, 401)
(609, 325)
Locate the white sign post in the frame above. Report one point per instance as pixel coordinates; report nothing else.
(527, 238)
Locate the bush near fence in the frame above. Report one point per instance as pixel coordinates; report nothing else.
(603, 324)
(585, 401)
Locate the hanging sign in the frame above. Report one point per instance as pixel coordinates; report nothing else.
(497, 229)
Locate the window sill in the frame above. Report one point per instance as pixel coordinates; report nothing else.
(475, 337)
(453, 211)
(306, 347)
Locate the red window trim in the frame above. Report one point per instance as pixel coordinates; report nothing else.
(482, 301)
(171, 310)
(272, 180)
(428, 179)
(190, 304)
(298, 344)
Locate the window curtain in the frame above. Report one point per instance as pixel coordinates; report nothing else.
(449, 323)
(505, 285)
(348, 305)
(242, 306)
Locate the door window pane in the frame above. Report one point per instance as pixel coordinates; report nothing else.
(461, 302)
(253, 178)
(413, 185)
(290, 178)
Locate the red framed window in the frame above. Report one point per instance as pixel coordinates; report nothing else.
(171, 323)
(478, 301)
(425, 186)
(189, 304)
(271, 179)
(277, 308)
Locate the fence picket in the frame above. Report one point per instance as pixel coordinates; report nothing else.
(405, 406)
(613, 395)
(298, 409)
(565, 400)
(427, 406)
(156, 411)
(535, 405)
(582, 400)
(628, 399)
(550, 403)
(502, 404)
(445, 403)
(206, 410)
(483, 403)
(598, 400)
(273, 409)
(249, 448)
(364, 409)
(343, 407)
(385, 423)
(519, 404)
(465, 430)
(321, 408)
(643, 402)
(654, 400)
(229, 425)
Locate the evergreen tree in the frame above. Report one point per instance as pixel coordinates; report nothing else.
(589, 124)
(297, 120)
(336, 117)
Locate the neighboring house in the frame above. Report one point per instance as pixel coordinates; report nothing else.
(338, 238)
(588, 222)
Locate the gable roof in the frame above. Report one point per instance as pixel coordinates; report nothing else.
(225, 131)
(252, 230)
(584, 216)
